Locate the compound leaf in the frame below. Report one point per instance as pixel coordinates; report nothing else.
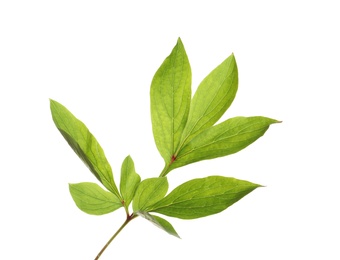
(129, 180)
(149, 191)
(203, 197)
(84, 145)
(92, 199)
(170, 101)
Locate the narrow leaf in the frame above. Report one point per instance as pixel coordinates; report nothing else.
(84, 145)
(213, 97)
(170, 101)
(159, 222)
(223, 139)
(92, 199)
(129, 180)
(203, 197)
(149, 191)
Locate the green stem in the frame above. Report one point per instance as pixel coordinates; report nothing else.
(128, 219)
(164, 172)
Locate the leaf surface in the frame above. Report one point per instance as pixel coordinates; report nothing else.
(84, 144)
(159, 222)
(129, 180)
(203, 197)
(170, 100)
(212, 98)
(223, 139)
(149, 192)
(92, 199)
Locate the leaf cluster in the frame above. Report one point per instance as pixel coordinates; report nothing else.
(185, 131)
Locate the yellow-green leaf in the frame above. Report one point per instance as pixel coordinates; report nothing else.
(84, 145)
(92, 199)
(203, 197)
(129, 180)
(159, 222)
(223, 139)
(212, 98)
(170, 101)
(149, 191)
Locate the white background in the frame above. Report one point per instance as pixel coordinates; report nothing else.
(98, 58)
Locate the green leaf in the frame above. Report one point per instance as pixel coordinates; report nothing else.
(149, 191)
(129, 180)
(203, 197)
(223, 139)
(170, 101)
(213, 97)
(92, 199)
(84, 145)
(159, 222)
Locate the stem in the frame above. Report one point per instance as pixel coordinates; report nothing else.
(164, 172)
(128, 219)
(167, 166)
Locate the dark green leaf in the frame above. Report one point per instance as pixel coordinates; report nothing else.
(149, 191)
(159, 222)
(213, 97)
(129, 180)
(203, 197)
(92, 199)
(84, 144)
(170, 101)
(223, 139)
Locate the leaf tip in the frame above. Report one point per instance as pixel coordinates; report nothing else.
(176, 235)
(276, 121)
(51, 102)
(179, 43)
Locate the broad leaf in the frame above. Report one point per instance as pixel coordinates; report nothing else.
(149, 191)
(129, 180)
(203, 197)
(84, 144)
(170, 101)
(92, 199)
(159, 222)
(223, 139)
(213, 97)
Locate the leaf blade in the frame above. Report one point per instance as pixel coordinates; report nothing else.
(203, 197)
(223, 139)
(129, 180)
(212, 98)
(149, 192)
(84, 144)
(159, 222)
(170, 95)
(92, 199)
